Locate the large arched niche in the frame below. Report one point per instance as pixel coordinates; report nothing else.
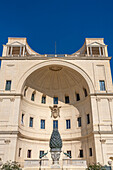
(69, 79)
(81, 72)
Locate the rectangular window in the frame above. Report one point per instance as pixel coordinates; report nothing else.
(8, 85)
(68, 124)
(29, 154)
(88, 119)
(19, 153)
(55, 100)
(85, 92)
(33, 96)
(41, 153)
(44, 99)
(42, 124)
(69, 153)
(66, 99)
(102, 85)
(55, 124)
(79, 121)
(81, 153)
(90, 152)
(77, 97)
(22, 119)
(31, 122)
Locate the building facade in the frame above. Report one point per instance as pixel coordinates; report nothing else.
(73, 93)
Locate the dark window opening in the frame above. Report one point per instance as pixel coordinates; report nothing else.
(90, 152)
(8, 85)
(22, 119)
(33, 96)
(68, 124)
(95, 51)
(19, 153)
(66, 99)
(102, 85)
(29, 154)
(77, 97)
(69, 153)
(25, 91)
(85, 92)
(55, 124)
(88, 119)
(81, 153)
(79, 122)
(42, 124)
(41, 153)
(55, 100)
(44, 99)
(31, 122)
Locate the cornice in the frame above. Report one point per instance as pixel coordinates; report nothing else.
(47, 58)
(10, 94)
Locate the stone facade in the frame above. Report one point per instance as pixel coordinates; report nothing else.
(79, 84)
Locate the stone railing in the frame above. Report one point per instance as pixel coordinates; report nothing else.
(46, 163)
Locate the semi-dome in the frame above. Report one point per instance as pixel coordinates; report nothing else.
(55, 77)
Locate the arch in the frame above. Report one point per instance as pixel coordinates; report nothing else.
(23, 78)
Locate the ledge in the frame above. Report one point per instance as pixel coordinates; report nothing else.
(47, 58)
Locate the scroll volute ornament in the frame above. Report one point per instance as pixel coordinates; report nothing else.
(55, 111)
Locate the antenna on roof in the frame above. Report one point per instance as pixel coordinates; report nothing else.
(55, 47)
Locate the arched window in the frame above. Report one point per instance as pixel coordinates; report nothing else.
(44, 99)
(25, 91)
(33, 96)
(85, 92)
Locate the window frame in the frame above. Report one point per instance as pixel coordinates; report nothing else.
(43, 101)
(29, 151)
(68, 124)
(8, 86)
(102, 85)
(55, 101)
(67, 101)
(42, 124)
(31, 125)
(79, 120)
(81, 153)
(55, 124)
(88, 118)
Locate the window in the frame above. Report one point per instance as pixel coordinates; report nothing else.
(68, 124)
(90, 152)
(31, 122)
(25, 91)
(88, 119)
(42, 124)
(44, 99)
(79, 121)
(19, 153)
(102, 85)
(22, 119)
(41, 153)
(55, 100)
(66, 99)
(81, 153)
(29, 154)
(69, 153)
(85, 92)
(55, 124)
(77, 97)
(8, 85)
(33, 96)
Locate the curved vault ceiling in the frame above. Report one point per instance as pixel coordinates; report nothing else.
(55, 77)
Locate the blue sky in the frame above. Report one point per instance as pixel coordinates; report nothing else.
(68, 22)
